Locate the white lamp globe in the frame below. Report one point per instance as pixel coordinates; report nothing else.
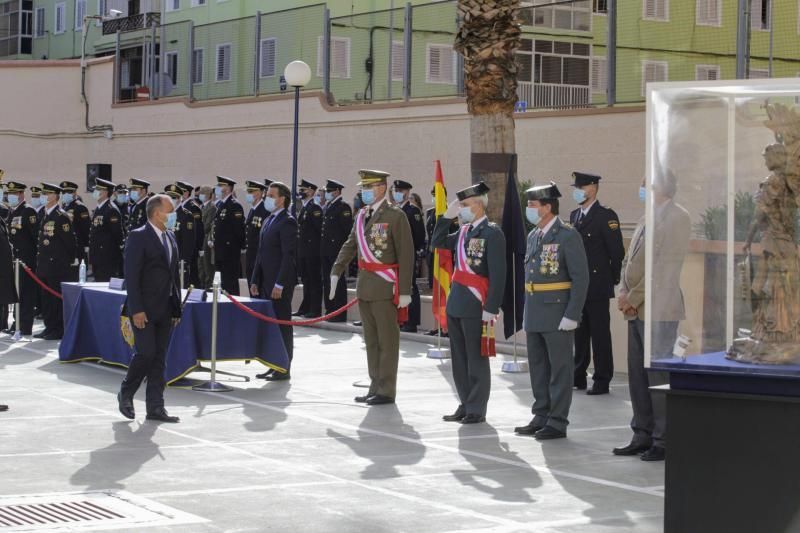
(297, 74)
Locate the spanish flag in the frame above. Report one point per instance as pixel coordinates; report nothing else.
(442, 259)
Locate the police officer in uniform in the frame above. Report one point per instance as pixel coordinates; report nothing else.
(402, 191)
(138, 209)
(24, 230)
(309, 227)
(602, 239)
(3, 209)
(255, 219)
(205, 263)
(184, 231)
(37, 201)
(56, 255)
(122, 201)
(556, 281)
(81, 221)
(229, 235)
(381, 237)
(106, 238)
(8, 291)
(188, 202)
(337, 221)
(476, 295)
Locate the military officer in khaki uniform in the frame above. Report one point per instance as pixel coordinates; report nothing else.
(381, 237)
(556, 283)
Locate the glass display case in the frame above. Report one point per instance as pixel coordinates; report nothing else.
(722, 295)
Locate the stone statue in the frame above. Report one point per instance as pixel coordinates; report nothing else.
(775, 288)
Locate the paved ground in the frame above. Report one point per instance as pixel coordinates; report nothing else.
(301, 456)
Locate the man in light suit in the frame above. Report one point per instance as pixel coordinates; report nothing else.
(153, 305)
(556, 283)
(475, 297)
(275, 269)
(671, 239)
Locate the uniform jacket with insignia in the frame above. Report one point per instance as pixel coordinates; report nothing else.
(197, 224)
(255, 220)
(275, 263)
(337, 222)
(388, 235)
(106, 237)
(229, 234)
(24, 233)
(414, 216)
(138, 214)
(309, 230)
(81, 223)
(485, 250)
(185, 234)
(8, 291)
(602, 240)
(57, 244)
(556, 257)
(430, 224)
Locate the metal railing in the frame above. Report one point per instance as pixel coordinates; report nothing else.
(131, 23)
(552, 96)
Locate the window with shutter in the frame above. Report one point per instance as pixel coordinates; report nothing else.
(760, 14)
(173, 5)
(267, 67)
(398, 60)
(599, 74)
(171, 59)
(340, 57)
(707, 72)
(80, 13)
(653, 71)
(656, 10)
(441, 64)
(709, 12)
(224, 62)
(40, 21)
(61, 11)
(197, 65)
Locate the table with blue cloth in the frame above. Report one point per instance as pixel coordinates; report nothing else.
(92, 332)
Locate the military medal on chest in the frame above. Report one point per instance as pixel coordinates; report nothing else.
(476, 249)
(548, 260)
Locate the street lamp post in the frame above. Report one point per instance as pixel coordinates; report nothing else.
(297, 74)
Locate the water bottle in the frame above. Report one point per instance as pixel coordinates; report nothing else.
(217, 279)
(82, 273)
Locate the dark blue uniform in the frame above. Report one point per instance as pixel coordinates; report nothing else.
(56, 255)
(229, 241)
(309, 227)
(253, 224)
(337, 221)
(414, 216)
(106, 240)
(24, 233)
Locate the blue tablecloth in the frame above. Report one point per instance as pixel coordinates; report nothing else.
(92, 332)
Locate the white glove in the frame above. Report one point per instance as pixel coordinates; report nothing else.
(202, 253)
(488, 317)
(334, 283)
(452, 209)
(210, 244)
(405, 301)
(567, 325)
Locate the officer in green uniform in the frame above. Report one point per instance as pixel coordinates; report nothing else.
(475, 297)
(556, 283)
(381, 237)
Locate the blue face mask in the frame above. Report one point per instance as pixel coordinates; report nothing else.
(249, 198)
(135, 196)
(368, 196)
(13, 200)
(642, 194)
(269, 204)
(466, 215)
(1, 195)
(172, 219)
(36, 202)
(203, 198)
(67, 198)
(122, 199)
(398, 197)
(579, 195)
(328, 196)
(96, 194)
(532, 214)
(218, 192)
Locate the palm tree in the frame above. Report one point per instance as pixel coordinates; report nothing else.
(488, 36)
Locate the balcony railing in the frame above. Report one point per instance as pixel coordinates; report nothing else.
(552, 96)
(131, 23)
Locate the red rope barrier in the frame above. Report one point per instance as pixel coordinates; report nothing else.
(307, 322)
(41, 283)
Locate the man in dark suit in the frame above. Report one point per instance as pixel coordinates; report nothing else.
(55, 260)
(602, 239)
(337, 221)
(189, 203)
(153, 305)
(23, 226)
(81, 222)
(255, 220)
(275, 270)
(402, 191)
(138, 196)
(106, 237)
(309, 222)
(229, 235)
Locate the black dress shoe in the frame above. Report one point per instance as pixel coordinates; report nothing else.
(126, 407)
(358, 323)
(3, 408)
(458, 416)
(9, 331)
(409, 329)
(265, 375)
(596, 391)
(279, 376)
(363, 399)
(579, 385)
(41, 335)
(473, 419)
(655, 453)
(433, 333)
(338, 318)
(549, 433)
(529, 429)
(379, 400)
(300, 312)
(162, 416)
(633, 448)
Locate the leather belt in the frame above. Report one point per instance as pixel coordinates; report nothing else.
(545, 287)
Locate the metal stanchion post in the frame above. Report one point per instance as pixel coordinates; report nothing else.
(180, 272)
(18, 333)
(514, 366)
(212, 385)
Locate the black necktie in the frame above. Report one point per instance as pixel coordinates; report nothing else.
(369, 215)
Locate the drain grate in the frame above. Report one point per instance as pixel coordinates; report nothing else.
(86, 511)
